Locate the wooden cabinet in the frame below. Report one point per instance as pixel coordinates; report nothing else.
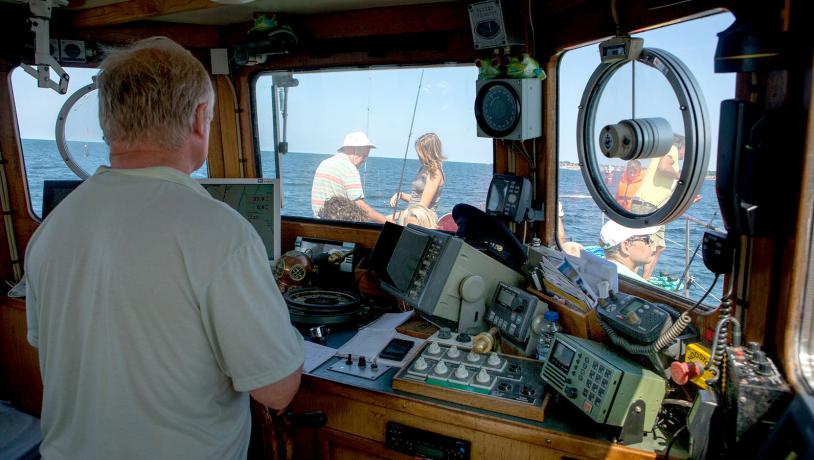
(357, 419)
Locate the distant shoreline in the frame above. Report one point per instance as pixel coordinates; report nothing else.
(569, 166)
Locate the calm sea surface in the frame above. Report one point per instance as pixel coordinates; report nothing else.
(465, 183)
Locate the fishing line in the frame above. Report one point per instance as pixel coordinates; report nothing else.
(407, 146)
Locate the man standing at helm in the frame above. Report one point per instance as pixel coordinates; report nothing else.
(339, 176)
(152, 304)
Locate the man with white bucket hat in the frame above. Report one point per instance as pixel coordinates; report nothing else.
(628, 248)
(339, 176)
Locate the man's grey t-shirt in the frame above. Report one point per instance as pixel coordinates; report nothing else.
(154, 311)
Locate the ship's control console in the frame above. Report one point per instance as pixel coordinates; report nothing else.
(452, 371)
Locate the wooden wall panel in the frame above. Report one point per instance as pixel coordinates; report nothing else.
(228, 131)
(357, 413)
(20, 380)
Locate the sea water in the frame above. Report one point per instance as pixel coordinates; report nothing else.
(465, 183)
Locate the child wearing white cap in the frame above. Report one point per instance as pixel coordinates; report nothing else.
(339, 176)
(628, 248)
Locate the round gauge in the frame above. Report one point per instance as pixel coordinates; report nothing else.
(497, 109)
(487, 29)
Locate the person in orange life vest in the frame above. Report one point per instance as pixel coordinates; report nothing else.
(629, 183)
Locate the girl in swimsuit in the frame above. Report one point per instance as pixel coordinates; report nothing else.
(429, 181)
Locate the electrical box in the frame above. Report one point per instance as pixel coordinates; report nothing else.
(509, 108)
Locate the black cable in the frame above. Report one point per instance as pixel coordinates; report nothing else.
(672, 440)
(711, 286)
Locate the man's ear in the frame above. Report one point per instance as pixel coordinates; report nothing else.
(623, 248)
(202, 119)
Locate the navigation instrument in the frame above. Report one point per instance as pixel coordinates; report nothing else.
(509, 108)
(257, 200)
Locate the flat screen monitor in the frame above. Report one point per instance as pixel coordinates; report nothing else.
(54, 191)
(258, 200)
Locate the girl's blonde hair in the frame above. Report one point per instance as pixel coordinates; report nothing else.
(428, 148)
(419, 215)
(149, 91)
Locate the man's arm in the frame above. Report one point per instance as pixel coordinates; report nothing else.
(372, 214)
(666, 167)
(280, 393)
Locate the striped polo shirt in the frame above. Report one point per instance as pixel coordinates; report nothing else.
(336, 176)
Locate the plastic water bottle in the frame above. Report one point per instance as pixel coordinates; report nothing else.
(549, 327)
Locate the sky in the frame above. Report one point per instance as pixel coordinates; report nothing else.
(327, 105)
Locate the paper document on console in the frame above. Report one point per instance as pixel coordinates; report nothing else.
(368, 342)
(315, 355)
(596, 269)
(389, 321)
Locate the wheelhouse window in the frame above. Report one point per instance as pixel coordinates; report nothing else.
(38, 110)
(318, 112)
(669, 258)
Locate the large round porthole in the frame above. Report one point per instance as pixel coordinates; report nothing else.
(649, 124)
(79, 137)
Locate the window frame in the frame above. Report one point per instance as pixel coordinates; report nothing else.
(258, 153)
(628, 285)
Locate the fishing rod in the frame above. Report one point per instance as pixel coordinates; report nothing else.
(407, 146)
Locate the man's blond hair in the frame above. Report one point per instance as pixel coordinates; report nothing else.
(148, 93)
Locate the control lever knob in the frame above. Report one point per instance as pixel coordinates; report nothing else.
(753, 347)
(461, 372)
(349, 361)
(362, 362)
(441, 368)
(483, 376)
(758, 357)
(454, 352)
(683, 372)
(444, 333)
(764, 368)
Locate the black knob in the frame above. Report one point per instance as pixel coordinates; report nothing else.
(753, 347)
(758, 357)
(764, 368)
(349, 360)
(362, 361)
(444, 333)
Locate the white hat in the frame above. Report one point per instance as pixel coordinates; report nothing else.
(612, 233)
(356, 139)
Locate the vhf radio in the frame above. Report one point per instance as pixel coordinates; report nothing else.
(605, 386)
(518, 315)
(633, 317)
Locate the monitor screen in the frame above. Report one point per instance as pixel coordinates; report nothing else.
(410, 250)
(54, 191)
(258, 200)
